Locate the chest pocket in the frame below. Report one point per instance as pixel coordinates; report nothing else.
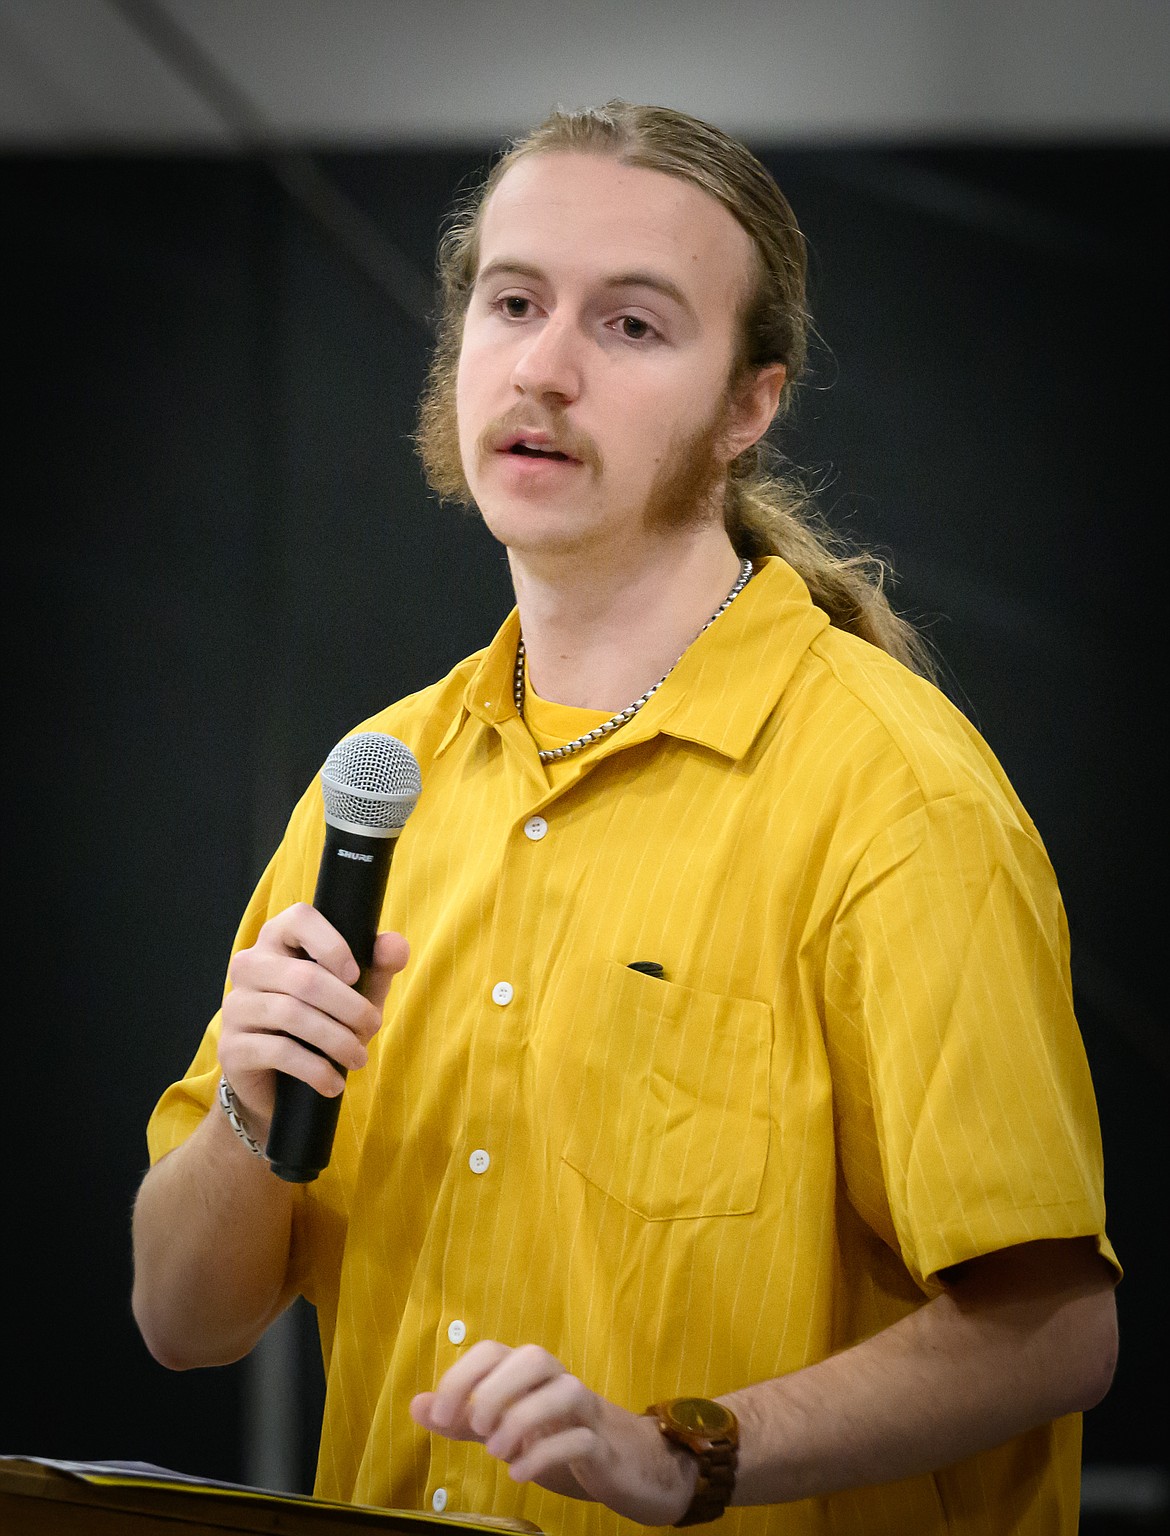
(672, 1118)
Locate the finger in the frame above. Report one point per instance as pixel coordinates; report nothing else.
(283, 975)
(277, 1014)
(251, 1058)
(453, 1392)
(422, 1412)
(553, 1458)
(301, 928)
(257, 1016)
(261, 979)
(558, 1404)
(523, 1371)
(391, 952)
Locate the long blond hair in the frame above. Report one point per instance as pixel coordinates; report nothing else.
(765, 511)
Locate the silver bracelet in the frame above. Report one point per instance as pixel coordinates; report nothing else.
(231, 1108)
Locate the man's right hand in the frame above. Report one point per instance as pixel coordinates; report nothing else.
(294, 989)
(212, 1227)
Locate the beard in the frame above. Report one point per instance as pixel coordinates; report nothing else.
(689, 488)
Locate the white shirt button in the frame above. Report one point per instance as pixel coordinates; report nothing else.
(502, 993)
(457, 1331)
(478, 1161)
(439, 1500)
(535, 828)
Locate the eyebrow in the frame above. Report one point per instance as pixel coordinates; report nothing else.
(655, 281)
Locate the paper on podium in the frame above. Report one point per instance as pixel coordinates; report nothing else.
(39, 1493)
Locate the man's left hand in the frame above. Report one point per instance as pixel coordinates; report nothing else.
(525, 1409)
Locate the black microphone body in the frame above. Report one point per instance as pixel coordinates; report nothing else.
(351, 888)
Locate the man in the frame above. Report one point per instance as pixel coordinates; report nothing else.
(734, 1057)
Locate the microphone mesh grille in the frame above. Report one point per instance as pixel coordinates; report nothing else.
(370, 780)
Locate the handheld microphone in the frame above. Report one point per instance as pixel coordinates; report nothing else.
(370, 783)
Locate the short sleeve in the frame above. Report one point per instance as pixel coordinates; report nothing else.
(965, 1113)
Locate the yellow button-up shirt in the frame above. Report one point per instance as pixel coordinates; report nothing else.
(860, 1066)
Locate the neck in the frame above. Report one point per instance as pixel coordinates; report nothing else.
(597, 636)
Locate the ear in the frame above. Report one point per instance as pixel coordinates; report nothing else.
(753, 406)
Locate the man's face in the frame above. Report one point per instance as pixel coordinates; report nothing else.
(597, 349)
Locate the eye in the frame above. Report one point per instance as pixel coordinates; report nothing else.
(634, 328)
(514, 305)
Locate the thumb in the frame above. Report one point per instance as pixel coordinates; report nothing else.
(391, 952)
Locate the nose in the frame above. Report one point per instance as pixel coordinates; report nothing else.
(550, 361)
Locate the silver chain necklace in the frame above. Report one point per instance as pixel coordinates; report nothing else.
(552, 754)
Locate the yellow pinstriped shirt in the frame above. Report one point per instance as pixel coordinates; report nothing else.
(862, 1065)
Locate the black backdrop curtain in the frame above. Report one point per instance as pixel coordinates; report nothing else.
(223, 556)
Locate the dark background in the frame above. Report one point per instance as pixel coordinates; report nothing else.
(223, 556)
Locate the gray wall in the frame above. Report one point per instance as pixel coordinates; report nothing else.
(194, 74)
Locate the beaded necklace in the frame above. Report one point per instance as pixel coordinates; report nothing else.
(624, 716)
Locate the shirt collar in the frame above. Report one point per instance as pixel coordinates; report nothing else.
(488, 695)
(720, 693)
(731, 678)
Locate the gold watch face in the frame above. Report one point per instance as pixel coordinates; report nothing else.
(700, 1416)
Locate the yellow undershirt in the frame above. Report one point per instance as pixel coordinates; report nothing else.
(554, 725)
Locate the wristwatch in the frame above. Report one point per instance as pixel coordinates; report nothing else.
(711, 1433)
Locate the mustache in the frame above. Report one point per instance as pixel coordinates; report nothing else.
(559, 435)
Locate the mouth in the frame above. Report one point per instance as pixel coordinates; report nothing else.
(530, 451)
(536, 445)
